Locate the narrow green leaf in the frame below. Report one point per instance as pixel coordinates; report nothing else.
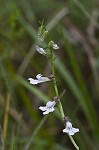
(86, 106)
(1, 140)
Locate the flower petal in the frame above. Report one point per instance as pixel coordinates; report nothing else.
(40, 50)
(46, 112)
(45, 79)
(68, 124)
(51, 109)
(75, 130)
(43, 108)
(32, 81)
(50, 104)
(55, 46)
(39, 76)
(71, 132)
(65, 130)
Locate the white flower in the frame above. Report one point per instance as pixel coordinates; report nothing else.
(54, 46)
(40, 50)
(48, 108)
(69, 129)
(39, 79)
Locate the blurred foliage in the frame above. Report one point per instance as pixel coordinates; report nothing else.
(74, 26)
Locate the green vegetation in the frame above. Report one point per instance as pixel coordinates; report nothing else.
(74, 26)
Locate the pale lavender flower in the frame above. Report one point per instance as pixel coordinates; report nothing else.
(69, 129)
(39, 79)
(40, 50)
(48, 108)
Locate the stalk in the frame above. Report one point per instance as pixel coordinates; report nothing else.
(60, 107)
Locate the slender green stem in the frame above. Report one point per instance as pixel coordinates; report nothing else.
(55, 84)
(74, 143)
(57, 94)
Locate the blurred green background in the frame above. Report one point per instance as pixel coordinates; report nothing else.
(74, 26)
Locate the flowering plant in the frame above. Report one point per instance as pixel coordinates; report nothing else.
(50, 105)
